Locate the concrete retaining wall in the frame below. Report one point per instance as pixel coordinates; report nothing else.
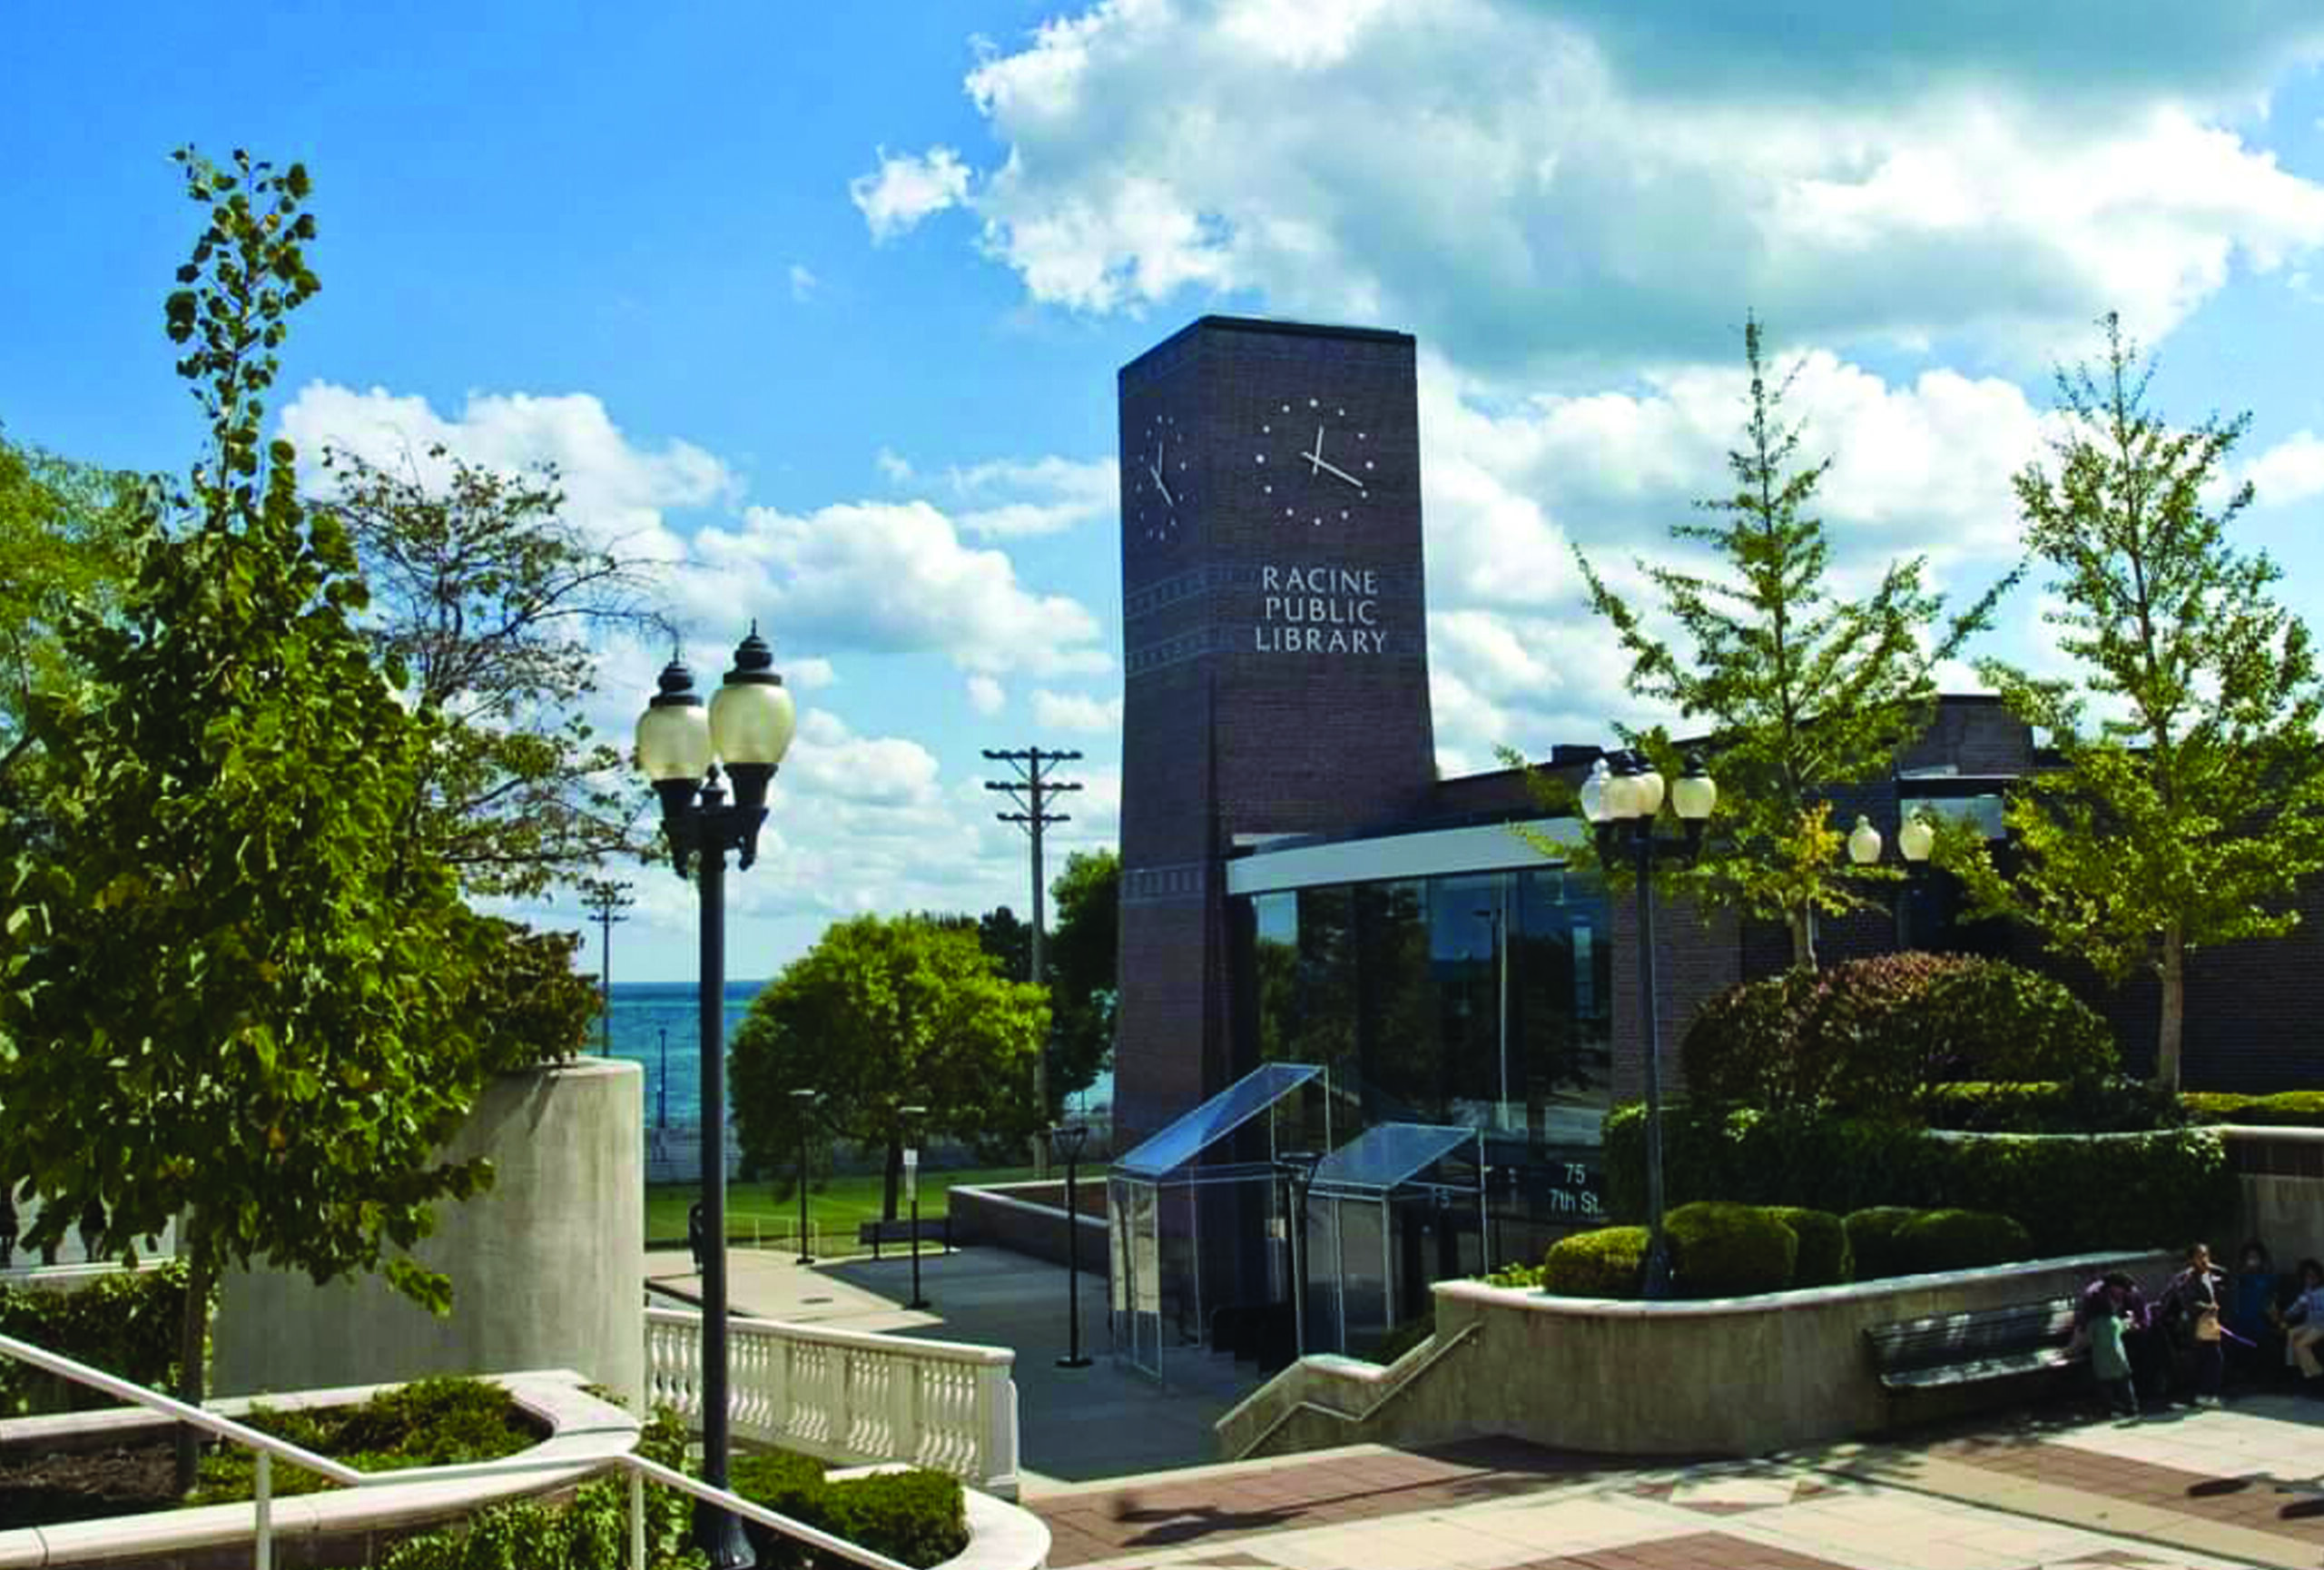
(1029, 1218)
(547, 1266)
(2280, 1172)
(1729, 1377)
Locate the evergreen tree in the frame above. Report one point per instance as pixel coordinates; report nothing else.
(2186, 808)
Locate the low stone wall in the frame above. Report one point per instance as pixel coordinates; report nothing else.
(1728, 1376)
(546, 1266)
(1029, 1218)
(2280, 1174)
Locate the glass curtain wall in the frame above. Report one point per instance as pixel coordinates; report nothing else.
(1478, 999)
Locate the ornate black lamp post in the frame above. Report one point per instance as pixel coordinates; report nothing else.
(1915, 839)
(748, 725)
(1623, 806)
(804, 1100)
(1067, 1142)
(911, 1117)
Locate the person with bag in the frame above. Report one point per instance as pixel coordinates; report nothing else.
(2190, 1306)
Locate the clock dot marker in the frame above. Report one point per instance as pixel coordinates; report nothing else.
(1367, 463)
(1343, 512)
(1311, 403)
(1262, 458)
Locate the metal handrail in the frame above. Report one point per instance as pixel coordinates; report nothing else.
(267, 1446)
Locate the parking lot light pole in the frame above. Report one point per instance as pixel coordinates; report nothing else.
(913, 1116)
(804, 1100)
(1067, 1142)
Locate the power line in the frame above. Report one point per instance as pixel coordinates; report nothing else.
(605, 899)
(1030, 790)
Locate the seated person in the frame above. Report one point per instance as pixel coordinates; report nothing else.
(2251, 1312)
(2305, 1323)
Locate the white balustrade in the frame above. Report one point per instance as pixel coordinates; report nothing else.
(849, 1395)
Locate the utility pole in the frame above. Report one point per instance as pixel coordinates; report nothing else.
(1030, 790)
(605, 899)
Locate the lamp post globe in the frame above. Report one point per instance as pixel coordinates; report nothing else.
(1917, 839)
(748, 724)
(1863, 842)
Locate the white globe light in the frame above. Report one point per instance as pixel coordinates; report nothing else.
(1863, 842)
(1917, 839)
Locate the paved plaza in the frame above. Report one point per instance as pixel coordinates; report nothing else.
(1122, 1471)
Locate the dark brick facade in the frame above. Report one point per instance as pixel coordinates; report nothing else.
(1274, 650)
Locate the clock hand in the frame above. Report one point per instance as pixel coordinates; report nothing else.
(1322, 466)
(1315, 458)
(1159, 485)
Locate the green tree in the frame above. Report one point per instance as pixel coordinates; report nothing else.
(228, 993)
(1007, 940)
(879, 1015)
(1802, 689)
(66, 533)
(2186, 807)
(1082, 957)
(486, 595)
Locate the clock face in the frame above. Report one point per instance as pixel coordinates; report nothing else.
(1160, 477)
(1316, 461)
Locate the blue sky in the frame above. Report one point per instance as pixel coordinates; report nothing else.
(823, 306)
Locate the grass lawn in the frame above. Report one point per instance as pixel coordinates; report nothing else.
(835, 1205)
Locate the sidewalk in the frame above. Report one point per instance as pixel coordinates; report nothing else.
(1074, 1423)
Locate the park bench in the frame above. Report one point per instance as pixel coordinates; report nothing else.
(1945, 1351)
(938, 1228)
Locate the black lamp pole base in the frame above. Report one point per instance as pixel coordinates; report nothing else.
(719, 1536)
(1073, 1362)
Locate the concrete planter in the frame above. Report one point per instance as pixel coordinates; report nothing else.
(546, 1267)
(1726, 1376)
(336, 1526)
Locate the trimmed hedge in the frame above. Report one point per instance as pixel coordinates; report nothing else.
(127, 1323)
(2285, 1108)
(1872, 1240)
(1727, 1250)
(2090, 1106)
(1869, 1037)
(1609, 1262)
(2073, 1195)
(1824, 1259)
(1960, 1240)
(918, 1516)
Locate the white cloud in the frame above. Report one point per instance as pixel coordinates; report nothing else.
(1012, 498)
(986, 696)
(614, 487)
(907, 188)
(1604, 179)
(893, 466)
(810, 674)
(803, 282)
(2291, 471)
(1076, 711)
(892, 577)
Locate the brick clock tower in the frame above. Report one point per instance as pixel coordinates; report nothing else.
(1275, 650)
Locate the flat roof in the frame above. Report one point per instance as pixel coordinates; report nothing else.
(1269, 325)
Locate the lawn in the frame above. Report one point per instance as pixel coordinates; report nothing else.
(835, 1205)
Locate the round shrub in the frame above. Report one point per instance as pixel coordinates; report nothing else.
(1609, 1262)
(1869, 1037)
(1723, 1250)
(2291, 1109)
(1959, 1241)
(1872, 1240)
(1824, 1257)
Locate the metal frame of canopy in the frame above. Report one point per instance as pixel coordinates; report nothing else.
(1156, 1197)
(1374, 1172)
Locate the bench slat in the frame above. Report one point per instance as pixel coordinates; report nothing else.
(1974, 1344)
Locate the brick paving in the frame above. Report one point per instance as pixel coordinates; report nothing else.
(1233, 1502)
(2259, 1504)
(1697, 1551)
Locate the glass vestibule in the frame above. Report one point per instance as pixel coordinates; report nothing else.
(1195, 1219)
(1398, 1207)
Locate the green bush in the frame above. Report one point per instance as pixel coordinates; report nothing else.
(1609, 1262)
(2088, 1106)
(1936, 1240)
(1872, 1240)
(589, 1533)
(1726, 1250)
(1406, 1335)
(425, 1423)
(1512, 1275)
(2074, 1195)
(919, 1517)
(1824, 1259)
(126, 1323)
(1868, 1038)
(2285, 1108)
